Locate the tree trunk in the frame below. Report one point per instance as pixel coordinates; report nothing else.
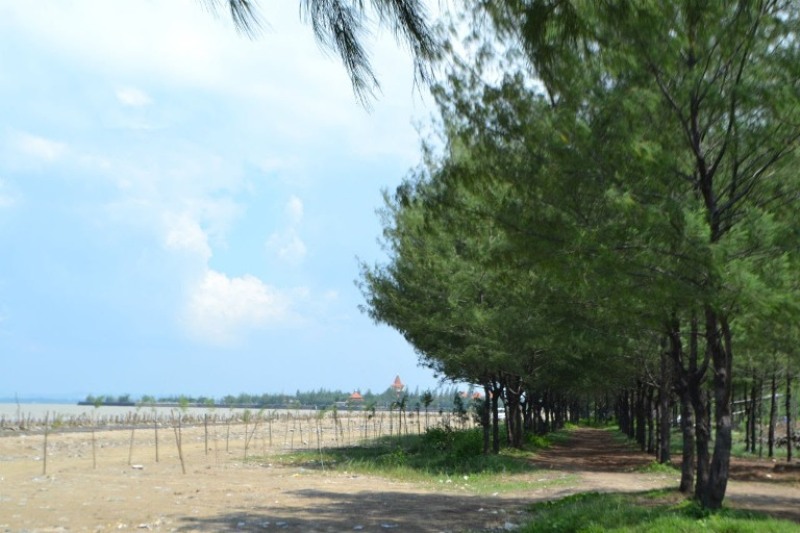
(773, 412)
(687, 429)
(702, 429)
(630, 413)
(536, 411)
(718, 337)
(699, 400)
(682, 378)
(486, 418)
(527, 413)
(754, 410)
(789, 423)
(748, 416)
(514, 417)
(496, 391)
(650, 407)
(559, 411)
(641, 429)
(623, 420)
(664, 407)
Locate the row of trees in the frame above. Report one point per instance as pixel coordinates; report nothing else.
(611, 217)
(441, 399)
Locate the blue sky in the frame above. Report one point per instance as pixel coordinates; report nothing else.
(181, 208)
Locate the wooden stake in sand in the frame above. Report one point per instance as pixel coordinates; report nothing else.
(130, 448)
(44, 453)
(205, 427)
(155, 427)
(176, 427)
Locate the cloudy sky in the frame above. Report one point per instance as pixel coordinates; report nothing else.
(182, 209)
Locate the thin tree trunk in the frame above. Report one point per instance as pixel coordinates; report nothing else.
(789, 421)
(622, 413)
(641, 430)
(630, 413)
(514, 420)
(664, 407)
(754, 410)
(496, 391)
(486, 416)
(699, 401)
(688, 431)
(773, 415)
(651, 410)
(748, 417)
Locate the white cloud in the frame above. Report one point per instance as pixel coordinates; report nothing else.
(287, 246)
(133, 97)
(222, 308)
(40, 147)
(218, 308)
(184, 234)
(294, 208)
(286, 243)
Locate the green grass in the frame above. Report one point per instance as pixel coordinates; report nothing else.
(654, 511)
(655, 467)
(442, 456)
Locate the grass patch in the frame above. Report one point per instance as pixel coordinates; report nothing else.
(440, 456)
(654, 467)
(559, 436)
(653, 511)
(592, 423)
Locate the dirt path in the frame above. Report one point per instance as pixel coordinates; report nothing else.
(222, 493)
(604, 464)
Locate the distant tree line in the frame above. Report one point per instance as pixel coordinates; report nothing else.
(440, 400)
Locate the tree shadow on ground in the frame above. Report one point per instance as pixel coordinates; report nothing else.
(785, 507)
(322, 510)
(763, 470)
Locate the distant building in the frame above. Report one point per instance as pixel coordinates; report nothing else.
(356, 397)
(398, 385)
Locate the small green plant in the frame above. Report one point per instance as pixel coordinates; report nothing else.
(427, 400)
(538, 442)
(397, 458)
(459, 444)
(460, 409)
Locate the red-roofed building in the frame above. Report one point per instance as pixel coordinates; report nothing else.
(356, 397)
